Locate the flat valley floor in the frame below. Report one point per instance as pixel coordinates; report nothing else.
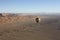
(47, 29)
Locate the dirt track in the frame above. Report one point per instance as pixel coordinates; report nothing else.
(48, 29)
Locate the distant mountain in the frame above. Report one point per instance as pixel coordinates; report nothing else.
(35, 14)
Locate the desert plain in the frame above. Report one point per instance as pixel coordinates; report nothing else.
(26, 28)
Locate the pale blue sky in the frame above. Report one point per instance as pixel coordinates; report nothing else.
(29, 6)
